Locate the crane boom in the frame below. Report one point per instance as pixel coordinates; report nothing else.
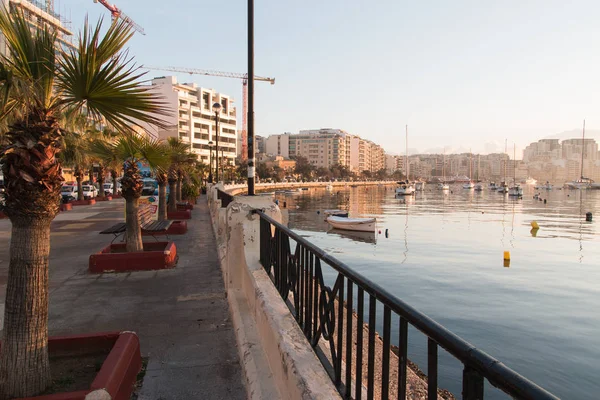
(116, 13)
(209, 72)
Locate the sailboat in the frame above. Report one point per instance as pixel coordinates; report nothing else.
(503, 188)
(443, 185)
(516, 190)
(582, 182)
(478, 185)
(470, 185)
(405, 188)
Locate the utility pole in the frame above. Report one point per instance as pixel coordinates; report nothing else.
(250, 97)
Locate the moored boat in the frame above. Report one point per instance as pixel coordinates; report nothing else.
(353, 224)
(336, 212)
(420, 186)
(443, 186)
(479, 187)
(516, 191)
(492, 186)
(405, 189)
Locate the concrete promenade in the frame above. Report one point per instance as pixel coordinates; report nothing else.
(181, 315)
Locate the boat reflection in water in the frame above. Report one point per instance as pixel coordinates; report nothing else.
(364, 237)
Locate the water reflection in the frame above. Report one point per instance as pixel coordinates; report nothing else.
(364, 237)
(443, 254)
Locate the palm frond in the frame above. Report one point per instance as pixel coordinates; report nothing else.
(100, 76)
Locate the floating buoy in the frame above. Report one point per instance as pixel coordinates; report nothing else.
(534, 232)
(277, 201)
(588, 216)
(380, 231)
(284, 204)
(386, 233)
(318, 212)
(506, 263)
(535, 225)
(507, 256)
(544, 201)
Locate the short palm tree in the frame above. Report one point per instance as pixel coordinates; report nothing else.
(132, 149)
(180, 155)
(38, 83)
(74, 154)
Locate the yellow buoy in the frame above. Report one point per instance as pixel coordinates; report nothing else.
(507, 255)
(535, 225)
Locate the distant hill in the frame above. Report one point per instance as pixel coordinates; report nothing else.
(576, 134)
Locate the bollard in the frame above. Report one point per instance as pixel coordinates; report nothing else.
(588, 216)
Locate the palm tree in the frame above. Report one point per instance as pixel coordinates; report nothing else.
(132, 149)
(180, 155)
(38, 83)
(74, 154)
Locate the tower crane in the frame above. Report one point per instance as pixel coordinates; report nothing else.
(243, 77)
(116, 13)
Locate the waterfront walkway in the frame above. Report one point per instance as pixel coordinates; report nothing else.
(181, 315)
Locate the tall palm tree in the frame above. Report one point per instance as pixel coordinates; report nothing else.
(74, 154)
(180, 155)
(133, 149)
(38, 83)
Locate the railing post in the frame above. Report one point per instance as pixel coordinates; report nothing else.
(472, 384)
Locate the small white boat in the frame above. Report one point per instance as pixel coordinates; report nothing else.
(469, 186)
(443, 186)
(515, 191)
(405, 189)
(420, 186)
(353, 224)
(530, 181)
(492, 186)
(503, 188)
(479, 187)
(580, 184)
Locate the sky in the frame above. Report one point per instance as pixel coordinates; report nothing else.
(461, 74)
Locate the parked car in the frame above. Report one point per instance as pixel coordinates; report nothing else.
(89, 191)
(68, 193)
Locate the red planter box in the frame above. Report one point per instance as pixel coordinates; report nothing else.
(185, 214)
(113, 258)
(89, 202)
(105, 198)
(118, 372)
(186, 206)
(176, 228)
(2, 215)
(66, 207)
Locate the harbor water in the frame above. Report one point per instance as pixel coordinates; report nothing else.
(443, 254)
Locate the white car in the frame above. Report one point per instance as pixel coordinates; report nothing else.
(68, 193)
(89, 191)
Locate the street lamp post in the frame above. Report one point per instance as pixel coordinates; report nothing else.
(222, 165)
(250, 98)
(217, 109)
(210, 175)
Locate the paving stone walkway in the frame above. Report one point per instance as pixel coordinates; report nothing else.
(181, 315)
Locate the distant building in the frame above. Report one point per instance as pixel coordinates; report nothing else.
(192, 120)
(40, 14)
(322, 147)
(278, 145)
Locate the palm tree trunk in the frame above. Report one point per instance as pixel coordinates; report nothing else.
(101, 183)
(24, 367)
(113, 173)
(133, 234)
(79, 178)
(91, 175)
(178, 190)
(172, 196)
(162, 201)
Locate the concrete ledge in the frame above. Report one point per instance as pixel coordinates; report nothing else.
(265, 328)
(185, 214)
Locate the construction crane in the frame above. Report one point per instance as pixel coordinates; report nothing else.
(116, 13)
(243, 77)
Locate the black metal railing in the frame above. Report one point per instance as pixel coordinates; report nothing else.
(320, 310)
(225, 198)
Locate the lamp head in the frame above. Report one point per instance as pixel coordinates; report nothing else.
(217, 107)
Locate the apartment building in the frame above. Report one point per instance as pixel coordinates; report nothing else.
(322, 147)
(40, 14)
(278, 145)
(192, 119)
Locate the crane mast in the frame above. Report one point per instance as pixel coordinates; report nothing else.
(116, 13)
(221, 74)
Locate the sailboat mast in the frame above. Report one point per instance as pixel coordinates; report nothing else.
(582, 148)
(470, 165)
(478, 165)
(505, 160)
(515, 164)
(407, 172)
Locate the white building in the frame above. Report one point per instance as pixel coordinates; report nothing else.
(39, 13)
(192, 119)
(278, 145)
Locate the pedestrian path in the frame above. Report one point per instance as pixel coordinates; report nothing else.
(181, 315)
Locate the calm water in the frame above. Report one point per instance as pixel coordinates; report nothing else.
(444, 256)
